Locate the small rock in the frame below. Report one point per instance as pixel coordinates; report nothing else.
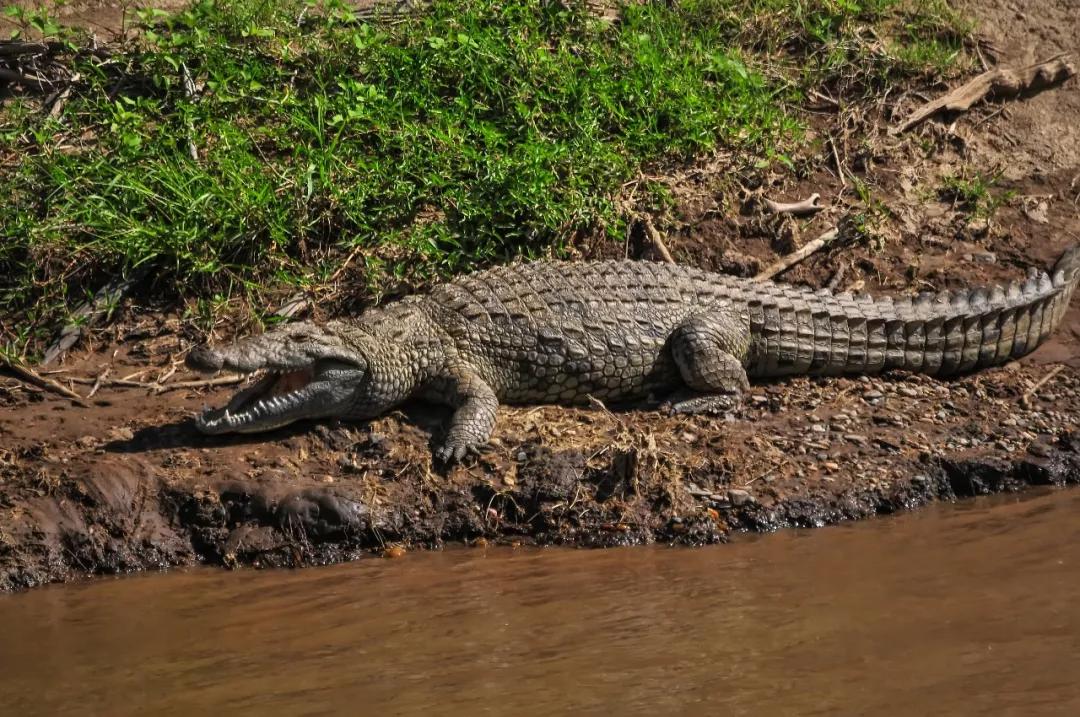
(831, 466)
(908, 391)
(123, 433)
(739, 497)
(696, 490)
(984, 257)
(873, 395)
(1037, 212)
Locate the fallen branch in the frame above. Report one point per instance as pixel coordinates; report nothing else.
(33, 377)
(657, 241)
(796, 256)
(999, 83)
(810, 205)
(159, 388)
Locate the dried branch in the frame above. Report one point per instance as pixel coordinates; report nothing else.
(33, 377)
(657, 241)
(999, 83)
(795, 257)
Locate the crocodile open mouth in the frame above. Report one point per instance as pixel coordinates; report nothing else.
(276, 399)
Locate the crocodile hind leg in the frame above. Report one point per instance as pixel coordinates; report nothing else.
(709, 349)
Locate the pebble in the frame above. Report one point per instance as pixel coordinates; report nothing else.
(873, 396)
(831, 466)
(908, 391)
(855, 438)
(738, 497)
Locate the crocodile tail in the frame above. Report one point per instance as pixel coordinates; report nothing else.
(1069, 265)
(938, 333)
(952, 333)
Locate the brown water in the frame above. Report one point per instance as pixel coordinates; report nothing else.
(970, 609)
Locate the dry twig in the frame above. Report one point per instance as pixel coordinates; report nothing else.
(657, 241)
(161, 388)
(1030, 393)
(796, 256)
(33, 377)
(97, 382)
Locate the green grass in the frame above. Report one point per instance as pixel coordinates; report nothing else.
(973, 192)
(472, 134)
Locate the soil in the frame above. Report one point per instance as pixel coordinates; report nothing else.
(128, 484)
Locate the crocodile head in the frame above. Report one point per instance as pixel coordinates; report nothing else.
(310, 372)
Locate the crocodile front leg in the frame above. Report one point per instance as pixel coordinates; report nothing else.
(474, 418)
(709, 349)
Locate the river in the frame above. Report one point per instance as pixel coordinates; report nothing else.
(955, 610)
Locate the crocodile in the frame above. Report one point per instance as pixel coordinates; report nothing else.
(562, 332)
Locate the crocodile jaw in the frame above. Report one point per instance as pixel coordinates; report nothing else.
(280, 398)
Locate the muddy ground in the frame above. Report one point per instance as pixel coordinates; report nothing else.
(128, 484)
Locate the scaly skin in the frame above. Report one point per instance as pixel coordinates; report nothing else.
(554, 332)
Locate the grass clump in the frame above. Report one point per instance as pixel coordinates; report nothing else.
(973, 192)
(252, 143)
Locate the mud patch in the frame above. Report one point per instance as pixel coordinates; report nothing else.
(130, 485)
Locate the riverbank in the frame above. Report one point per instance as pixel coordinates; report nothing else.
(125, 483)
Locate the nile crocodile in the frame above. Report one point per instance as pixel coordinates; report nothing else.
(560, 332)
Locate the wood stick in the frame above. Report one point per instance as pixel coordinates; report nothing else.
(999, 83)
(32, 377)
(162, 388)
(97, 382)
(657, 241)
(839, 166)
(1030, 393)
(796, 256)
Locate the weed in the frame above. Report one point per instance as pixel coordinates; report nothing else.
(972, 192)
